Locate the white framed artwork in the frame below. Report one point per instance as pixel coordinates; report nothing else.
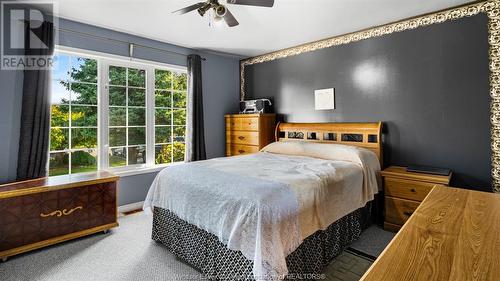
(324, 99)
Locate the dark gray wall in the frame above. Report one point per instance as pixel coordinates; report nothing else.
(220, 90)
(429, 86)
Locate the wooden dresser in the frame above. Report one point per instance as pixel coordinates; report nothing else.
(248, 133)
(41, 212)
(403, 193)
(453, 235)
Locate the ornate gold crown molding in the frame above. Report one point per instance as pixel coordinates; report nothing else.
(490, 8)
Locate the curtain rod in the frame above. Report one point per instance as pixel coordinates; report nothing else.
(121, 41)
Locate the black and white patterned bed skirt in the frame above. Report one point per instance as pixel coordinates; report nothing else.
(206, 253)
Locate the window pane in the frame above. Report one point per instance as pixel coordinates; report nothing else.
(84, 161)
(137, 136)
(117, 136)
(163, 79)
(179, 133)
(180, 99)
(59, 139)
(59, 115)
(163, 154)
(179, 81)
(60, 92)
(83, 93)
(84, 116)
(136, 77)
(117, 96)
(162, 134)
(58, 163)
(83, 70)
(136, 116)
(61, 67)
(162, 98)
(137, 155)
(136, 97)
(117, 156)
(179, 150)
(117, 75)
(83, 138)
(163, 116)
(179, 117)
(117, 116)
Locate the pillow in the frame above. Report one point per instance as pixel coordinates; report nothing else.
(328, 151)
(365, 158)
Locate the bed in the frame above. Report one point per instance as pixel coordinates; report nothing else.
(282, 213)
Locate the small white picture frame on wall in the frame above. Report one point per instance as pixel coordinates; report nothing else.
(324, 99)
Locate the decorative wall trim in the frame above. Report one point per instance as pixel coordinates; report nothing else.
(491, 8)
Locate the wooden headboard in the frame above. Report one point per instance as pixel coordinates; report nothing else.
(366, 135)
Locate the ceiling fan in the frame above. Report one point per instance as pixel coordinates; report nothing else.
(220, 11)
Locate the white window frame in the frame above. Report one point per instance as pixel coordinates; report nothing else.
(103, 62)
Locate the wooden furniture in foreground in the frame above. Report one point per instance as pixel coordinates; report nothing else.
(248, 133)
(453, 235)
(366, 135)
(403, 193)
(41, 212)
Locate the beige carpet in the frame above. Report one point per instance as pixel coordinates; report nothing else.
(128, 253)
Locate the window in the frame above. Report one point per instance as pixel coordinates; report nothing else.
(170, 116)
(127, 116)
(115, 114)
(73, 133)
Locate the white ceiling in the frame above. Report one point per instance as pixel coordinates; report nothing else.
(261, 30)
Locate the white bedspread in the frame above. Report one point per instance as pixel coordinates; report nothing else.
(264, 204)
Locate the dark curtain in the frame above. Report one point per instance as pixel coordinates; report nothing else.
(35, 115)
(195, 134)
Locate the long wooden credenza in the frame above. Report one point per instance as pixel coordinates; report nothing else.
(41, 212)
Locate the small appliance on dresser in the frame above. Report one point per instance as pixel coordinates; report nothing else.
(404, 191)
(248, 133)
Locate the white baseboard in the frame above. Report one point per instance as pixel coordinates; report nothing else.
(130, 207)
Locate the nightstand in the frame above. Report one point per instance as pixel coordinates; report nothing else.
(403, 193)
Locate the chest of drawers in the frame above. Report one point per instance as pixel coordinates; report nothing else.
(403, 193)
(248, 133)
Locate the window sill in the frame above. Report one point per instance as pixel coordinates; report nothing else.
(140, 170)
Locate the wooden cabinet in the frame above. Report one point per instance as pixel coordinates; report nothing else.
(403, 193)
(41, 212)
(248, 133)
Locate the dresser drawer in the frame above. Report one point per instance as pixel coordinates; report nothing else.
(239, 149)
(398, 211)
(407, 189)
(37, 217)
(243, 137)
(242, 124)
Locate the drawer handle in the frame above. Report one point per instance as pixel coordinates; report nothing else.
(408, 213)
(59, 213)
(241, 137)
(413, 190)
(241, 151)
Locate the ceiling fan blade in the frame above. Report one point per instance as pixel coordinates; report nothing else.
(189, 8)
(261, 3)
(230, 19)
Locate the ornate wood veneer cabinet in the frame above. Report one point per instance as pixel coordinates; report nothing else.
(41, 212)
(248, 133)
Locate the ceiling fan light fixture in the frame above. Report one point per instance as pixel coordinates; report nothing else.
(202, 10)
(220, 11)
